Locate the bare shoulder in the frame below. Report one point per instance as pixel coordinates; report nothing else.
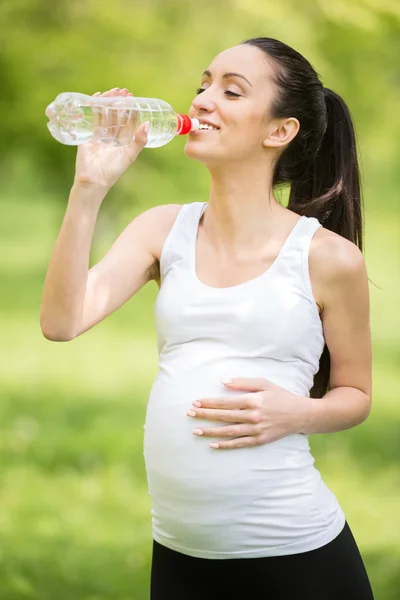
(163, 219)
(157, 225)
(333, 261)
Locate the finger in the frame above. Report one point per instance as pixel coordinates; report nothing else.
(240, 402)
(226, 416)
(139, 141)
(115, 116)
(250, 384)
(112, 92)
(242, 442)
(127, 120)
(121, 124)
(98, 116)
(230, 431)
(108, 119)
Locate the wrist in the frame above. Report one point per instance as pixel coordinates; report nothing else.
(308, 413)
(91, 186)
(86, 195)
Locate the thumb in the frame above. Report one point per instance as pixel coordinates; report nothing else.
(251, 384)
(140, 140)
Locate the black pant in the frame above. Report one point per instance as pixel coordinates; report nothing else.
(333, 572)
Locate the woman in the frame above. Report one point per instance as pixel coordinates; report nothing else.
(274, 298)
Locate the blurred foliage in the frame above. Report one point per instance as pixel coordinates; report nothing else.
(159, 48)
(74, 509)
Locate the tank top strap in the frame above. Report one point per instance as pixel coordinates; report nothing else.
(309, 228)
(176, 249)
(304, 235)
(295, 261)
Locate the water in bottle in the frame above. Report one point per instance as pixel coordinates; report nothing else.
(76, 118)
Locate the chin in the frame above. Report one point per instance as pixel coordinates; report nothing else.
(208, 156)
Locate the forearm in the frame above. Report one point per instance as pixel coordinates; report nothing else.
(341, 408)
(67, 273)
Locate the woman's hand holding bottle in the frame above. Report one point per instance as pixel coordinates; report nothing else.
(100, 165)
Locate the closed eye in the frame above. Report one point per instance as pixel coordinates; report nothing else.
(199, 90)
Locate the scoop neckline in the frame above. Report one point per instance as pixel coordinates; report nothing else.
(249, 282)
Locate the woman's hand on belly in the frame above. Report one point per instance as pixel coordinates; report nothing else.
(266, 414)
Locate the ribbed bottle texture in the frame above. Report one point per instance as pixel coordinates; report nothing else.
(76, 118)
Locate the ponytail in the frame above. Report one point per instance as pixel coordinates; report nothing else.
(329, 188)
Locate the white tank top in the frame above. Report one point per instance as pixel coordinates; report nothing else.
(266, 500)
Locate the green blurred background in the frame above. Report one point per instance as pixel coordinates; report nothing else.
(75, 517)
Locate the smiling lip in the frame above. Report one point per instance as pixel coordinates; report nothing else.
(210, 124)
(203, 121)
(203, 131)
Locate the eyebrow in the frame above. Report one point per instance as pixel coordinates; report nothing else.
(227, 75)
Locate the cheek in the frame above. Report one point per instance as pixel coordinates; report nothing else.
(257, 122)
(247, 134)
(250, 122)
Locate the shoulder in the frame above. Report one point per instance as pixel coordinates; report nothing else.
(159, 222)
(157, 225)
(334, 255)
(335, 263)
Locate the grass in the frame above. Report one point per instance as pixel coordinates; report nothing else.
(75, 513)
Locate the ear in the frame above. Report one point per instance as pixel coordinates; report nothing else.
(281, 132)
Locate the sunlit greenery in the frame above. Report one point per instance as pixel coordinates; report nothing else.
(75, 517)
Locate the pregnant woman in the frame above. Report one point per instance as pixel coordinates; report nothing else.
(262, 321)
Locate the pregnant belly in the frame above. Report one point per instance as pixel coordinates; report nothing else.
(185, 467)
(222, 499)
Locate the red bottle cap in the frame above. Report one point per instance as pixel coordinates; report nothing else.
(184, 124)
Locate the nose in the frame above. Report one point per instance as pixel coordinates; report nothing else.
(204, 101)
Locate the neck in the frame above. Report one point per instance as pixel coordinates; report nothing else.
(242, 211)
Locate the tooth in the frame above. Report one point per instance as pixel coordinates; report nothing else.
(206, 127)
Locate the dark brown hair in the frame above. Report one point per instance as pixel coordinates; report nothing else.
(320, 163)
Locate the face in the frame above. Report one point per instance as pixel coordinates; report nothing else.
(238, 106)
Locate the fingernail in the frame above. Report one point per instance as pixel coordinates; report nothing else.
(226, 381)
(146, 127)
(115, 90)
(198, 431)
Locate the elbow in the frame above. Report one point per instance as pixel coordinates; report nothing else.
(56, 335)
(366, 408)
(54, 328)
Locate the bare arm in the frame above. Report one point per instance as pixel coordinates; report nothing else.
(76, 298)
(131, 262)
(66, 277)
(340, 267)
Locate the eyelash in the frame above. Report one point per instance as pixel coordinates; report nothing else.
(199, 90)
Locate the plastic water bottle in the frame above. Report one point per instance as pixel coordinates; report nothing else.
(76, 118)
